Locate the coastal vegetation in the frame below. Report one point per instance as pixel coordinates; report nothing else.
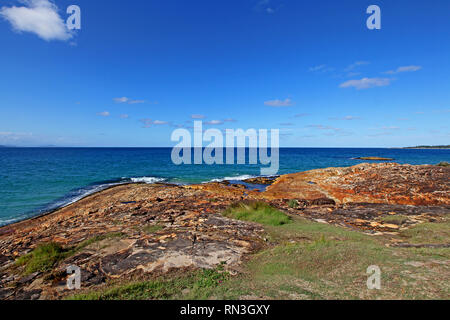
(42, 258)
(198, 284)
(153, 228)
(434, 233)
(293, 203)
(92, 240)
(46, 255)
(308, 260)
(255, 211)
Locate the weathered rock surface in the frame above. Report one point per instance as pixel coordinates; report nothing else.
(371, 183)
(189, 233)
(159, 228)
(262, 180)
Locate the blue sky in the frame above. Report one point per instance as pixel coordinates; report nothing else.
(138, 69)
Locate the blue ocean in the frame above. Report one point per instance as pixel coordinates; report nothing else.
(37, 180)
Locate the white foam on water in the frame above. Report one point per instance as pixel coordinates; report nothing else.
(148, 180)
(236, 178)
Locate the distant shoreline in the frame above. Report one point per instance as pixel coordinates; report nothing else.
(428, 147)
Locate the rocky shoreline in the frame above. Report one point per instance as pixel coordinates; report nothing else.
(139, 230)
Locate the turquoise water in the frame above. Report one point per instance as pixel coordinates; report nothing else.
(36, 180)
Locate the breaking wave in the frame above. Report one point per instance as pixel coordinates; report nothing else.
(76, 195)
(147, 179)
(236, 178)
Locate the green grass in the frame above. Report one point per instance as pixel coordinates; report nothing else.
(324, 262)
(46, 255)
(293, 203)
(428, 233)
(395, 219)
(304, 260)
(95, 239)
(259, 212)
(310, 260)
(153, 228)
(42, 258)
(195, 285)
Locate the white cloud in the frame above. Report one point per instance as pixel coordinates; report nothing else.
(348, 118)
(404, 69)
(366, 83)
(14, 135)
(136, 101)
(103, 114)
(317, 68)
(355, 65)
(331, 130)
(322, 127)
(127, 100)
(40, 17)
(229, 120)
(198, 116)
(384, 131)
(214, 122)
(121, 100)
(159, 122)
(264, 5)
(149, 122)
(279, 103)
(390, 128)
(323, 68)
(124, 116)
(13, 138)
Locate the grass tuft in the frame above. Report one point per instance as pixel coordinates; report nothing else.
(95, 239)
(428, 233)
(42, 258)
(153, 228)
(397, 219)
(195, 285)
(443, 164)
(293, 204)
(259, 212)
(46, 255)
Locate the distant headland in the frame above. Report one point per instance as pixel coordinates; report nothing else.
(429, 147)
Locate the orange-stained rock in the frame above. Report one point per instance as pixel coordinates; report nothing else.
(164, 227)
(373, 183)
